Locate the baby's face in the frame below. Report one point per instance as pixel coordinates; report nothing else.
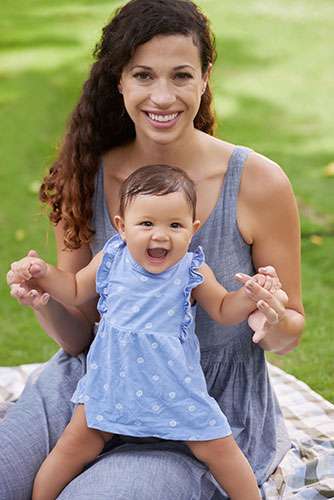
(157, 230)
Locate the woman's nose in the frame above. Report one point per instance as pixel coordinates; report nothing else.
(162, 94)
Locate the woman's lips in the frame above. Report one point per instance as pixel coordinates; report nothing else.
(159, 120)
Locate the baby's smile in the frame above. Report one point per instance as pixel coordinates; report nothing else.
(157, 254)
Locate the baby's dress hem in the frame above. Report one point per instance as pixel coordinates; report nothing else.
(125, 431)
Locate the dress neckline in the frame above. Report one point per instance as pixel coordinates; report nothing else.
(212, 213)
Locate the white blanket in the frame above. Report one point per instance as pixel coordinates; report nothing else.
(307, 470)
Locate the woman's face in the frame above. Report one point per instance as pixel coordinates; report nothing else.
(162, 86)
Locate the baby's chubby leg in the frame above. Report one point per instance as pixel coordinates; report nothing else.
(228, 465)
(76, 447)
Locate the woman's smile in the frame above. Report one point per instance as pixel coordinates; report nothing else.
(162, 120)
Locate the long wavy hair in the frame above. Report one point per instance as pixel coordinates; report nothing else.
(100, 122)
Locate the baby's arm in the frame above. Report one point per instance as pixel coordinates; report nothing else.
(225, 307)
(69, 288)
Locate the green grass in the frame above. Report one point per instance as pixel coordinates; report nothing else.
(274, 87)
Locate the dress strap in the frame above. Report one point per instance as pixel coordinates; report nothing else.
(232, 180)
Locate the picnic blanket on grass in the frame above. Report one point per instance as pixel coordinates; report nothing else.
(307, 470)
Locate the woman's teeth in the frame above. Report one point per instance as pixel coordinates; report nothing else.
(162, 118)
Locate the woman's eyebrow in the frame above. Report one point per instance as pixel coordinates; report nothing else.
(181, 66)
(140, 66)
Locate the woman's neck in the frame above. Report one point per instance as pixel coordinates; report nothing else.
(185, 152)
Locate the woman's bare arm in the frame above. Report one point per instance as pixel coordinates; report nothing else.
(268, 220)
(70, 327)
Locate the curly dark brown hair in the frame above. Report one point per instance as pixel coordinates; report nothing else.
(100, 122)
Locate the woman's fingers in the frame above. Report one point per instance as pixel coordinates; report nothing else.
(39, 299)
(16, 291)
(271, 315)
(256, 292)
(29, 297)
(268, 281)
(242, 277)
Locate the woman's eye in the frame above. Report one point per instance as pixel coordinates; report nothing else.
(142, 76)
(183, 76)
(175, 225)
(146, 223)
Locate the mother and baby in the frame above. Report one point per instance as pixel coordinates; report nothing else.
(161, 229)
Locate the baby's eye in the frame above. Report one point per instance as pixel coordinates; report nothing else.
(142, 76)
(175, 225)
(146, 223)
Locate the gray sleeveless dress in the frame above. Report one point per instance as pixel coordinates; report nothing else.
(236, 375)
(234, 367)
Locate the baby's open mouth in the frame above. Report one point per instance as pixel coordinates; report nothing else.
(157, 253)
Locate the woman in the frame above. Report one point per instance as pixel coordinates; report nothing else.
(147, 101)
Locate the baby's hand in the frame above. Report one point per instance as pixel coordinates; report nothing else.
(26, 292)
(30, 267)
(266, 278)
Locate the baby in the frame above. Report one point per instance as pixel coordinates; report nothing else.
(144, 376)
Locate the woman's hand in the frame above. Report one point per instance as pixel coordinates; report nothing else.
(270, 311)
(268, 315)
(21, 280)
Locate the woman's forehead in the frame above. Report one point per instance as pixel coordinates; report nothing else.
(167, 48)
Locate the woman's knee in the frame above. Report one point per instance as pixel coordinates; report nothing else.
(142, 474)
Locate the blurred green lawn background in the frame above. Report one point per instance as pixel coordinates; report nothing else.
(274, 88)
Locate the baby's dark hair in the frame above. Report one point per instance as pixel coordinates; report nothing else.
(157, 180)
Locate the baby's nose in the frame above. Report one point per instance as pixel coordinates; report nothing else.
(160, 234)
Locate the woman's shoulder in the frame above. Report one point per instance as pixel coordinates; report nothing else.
(263, 178)
(265, 196)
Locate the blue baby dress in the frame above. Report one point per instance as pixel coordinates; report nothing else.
(144, 376)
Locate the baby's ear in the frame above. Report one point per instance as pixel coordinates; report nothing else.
(119, 223)
(196, 226)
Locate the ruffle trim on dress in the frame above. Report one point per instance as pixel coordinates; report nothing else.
(109, 251)
(195, 279)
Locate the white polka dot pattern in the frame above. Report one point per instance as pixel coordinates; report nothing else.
(143, 363)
